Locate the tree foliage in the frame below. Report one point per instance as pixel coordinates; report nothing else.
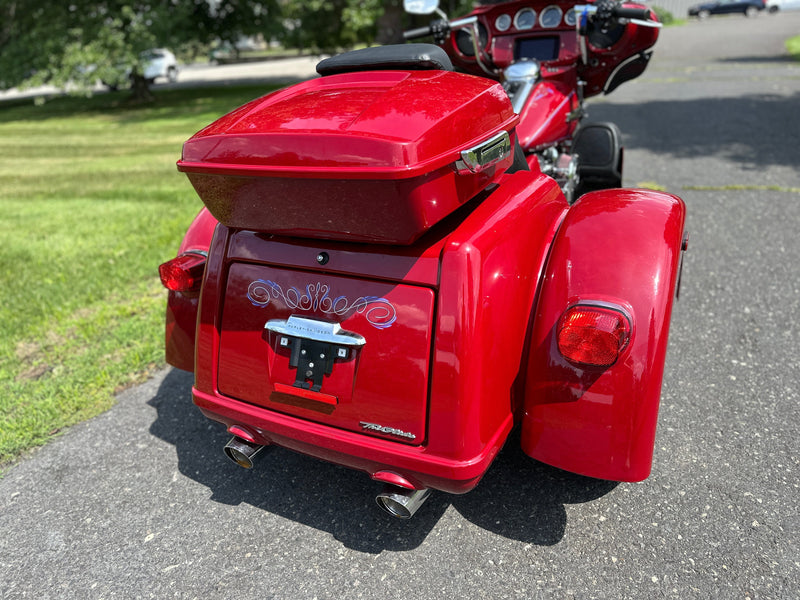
(329, 25)
(75, 43)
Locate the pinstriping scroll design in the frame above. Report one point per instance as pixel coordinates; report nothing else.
(379, 312)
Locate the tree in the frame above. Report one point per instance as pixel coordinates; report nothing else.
(75, 43)
(328, 26)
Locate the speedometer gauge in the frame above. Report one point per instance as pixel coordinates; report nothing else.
(525, 19)
(550, 17)
(570, 18)
(503, 22)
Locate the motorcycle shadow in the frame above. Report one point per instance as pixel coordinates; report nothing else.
(518, 498)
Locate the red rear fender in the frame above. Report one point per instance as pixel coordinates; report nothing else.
(618, 249)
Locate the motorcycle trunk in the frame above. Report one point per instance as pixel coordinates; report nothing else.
(346, 310)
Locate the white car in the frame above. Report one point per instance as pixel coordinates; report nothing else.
(774, 6)
(160, 62)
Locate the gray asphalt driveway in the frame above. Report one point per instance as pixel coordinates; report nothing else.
(141, 503)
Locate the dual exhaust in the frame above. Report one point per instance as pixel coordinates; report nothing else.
(242, 451)
(397, 501)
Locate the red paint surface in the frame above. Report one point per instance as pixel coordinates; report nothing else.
(483, 291)
(478, 269)
(354, 157)
(618, 247)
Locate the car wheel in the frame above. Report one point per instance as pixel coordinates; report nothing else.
(773, 10)
(751, 11)
(172, 74)
(703, 14)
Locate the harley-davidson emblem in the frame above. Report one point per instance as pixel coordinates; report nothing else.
(379, 312)
(389, 430)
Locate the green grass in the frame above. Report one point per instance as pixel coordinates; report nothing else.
(666, 17)
(793, 46)
(90, 204)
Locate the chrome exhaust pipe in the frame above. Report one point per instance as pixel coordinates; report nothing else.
(401, 502)
(242, 452)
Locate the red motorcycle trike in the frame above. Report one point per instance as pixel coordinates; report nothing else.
(390, 273)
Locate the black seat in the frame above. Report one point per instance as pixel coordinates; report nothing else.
(400, 57)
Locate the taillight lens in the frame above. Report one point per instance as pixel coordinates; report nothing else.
(184, 273)
(592, 335)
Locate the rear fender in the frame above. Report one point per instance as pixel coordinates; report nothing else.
(620, 248)
(181, 317)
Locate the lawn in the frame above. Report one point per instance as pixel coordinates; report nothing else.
(793, 46)
(91, 203)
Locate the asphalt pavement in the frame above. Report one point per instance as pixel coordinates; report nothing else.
(141, 503)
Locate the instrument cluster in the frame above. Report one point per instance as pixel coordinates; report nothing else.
(527, 19)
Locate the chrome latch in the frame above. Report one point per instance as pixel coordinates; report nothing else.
(485, 155)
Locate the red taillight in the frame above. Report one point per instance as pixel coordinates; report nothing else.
(184, 273)
(593, 335)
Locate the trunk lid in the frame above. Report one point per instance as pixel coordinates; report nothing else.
(317, 345)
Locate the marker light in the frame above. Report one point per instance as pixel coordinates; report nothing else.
(593, 335)
(184, 273)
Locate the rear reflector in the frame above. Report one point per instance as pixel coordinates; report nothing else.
(184, 273)
(592, 335)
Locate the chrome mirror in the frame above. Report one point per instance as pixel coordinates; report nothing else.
(420, 7)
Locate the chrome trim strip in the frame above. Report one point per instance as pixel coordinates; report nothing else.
(312, 329)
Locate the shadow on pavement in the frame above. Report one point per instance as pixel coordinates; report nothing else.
(518, 498)
(752, 131)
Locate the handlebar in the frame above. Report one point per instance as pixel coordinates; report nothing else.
(611, 10)
(620, 12)
(417, 33)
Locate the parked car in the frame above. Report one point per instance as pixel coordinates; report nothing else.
(773, 6)
(749, 8)
(160, 62)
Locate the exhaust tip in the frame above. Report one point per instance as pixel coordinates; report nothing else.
(400, 502)
(242, 452)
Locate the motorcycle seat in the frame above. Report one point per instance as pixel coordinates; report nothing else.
(398, 57)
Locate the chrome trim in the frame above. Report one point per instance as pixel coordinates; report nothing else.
(312, 329)
(400, 502)
(484, 155)
(197, 252)
(387, 430)
(526, 74)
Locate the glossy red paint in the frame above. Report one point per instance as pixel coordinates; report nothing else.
(616, 248)
(354, 157)
(471, 275)
(544, 118)
(181, 317)
(483, 291)
(394, 319)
